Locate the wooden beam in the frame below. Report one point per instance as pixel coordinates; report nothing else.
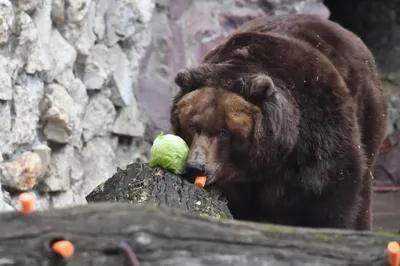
(168, 236)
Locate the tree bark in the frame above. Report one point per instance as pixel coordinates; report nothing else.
(168, 236)
(139, 183)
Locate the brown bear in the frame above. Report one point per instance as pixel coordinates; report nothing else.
(286, 117)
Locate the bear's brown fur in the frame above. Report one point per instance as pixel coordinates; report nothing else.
(286, 116)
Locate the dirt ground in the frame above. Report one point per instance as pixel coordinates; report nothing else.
(386, 211)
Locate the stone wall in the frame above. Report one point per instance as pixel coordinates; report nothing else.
(68, 112)
(85, 85)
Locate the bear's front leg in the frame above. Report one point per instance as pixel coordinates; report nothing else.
(338, 210)
(330, 218)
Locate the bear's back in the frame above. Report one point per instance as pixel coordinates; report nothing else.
(344, 49)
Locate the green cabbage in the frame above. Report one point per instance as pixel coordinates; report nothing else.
(169, 152)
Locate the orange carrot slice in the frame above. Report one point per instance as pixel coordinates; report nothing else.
(394, 253)
(200, 181)
(64, 248)
(26, 201)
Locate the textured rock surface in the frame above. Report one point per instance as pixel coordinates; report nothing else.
(23, 173)
(67, 79)
(86, 85)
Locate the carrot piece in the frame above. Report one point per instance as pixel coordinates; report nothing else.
(26, 201)
(200, 181)
(393, 249)
(64, 248)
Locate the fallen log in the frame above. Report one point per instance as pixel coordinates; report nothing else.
(139, 184)
(168, 236)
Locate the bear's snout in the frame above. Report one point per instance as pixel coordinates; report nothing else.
(195, 168)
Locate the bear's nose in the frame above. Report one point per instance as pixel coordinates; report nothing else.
(195, 168)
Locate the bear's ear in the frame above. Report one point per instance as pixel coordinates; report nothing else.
(258, 88)
(276, 126)
(190, 79)
(183, 79)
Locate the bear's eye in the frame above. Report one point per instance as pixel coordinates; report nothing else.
(223, 133)
(192, 128)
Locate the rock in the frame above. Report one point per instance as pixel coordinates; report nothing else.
(386, 173)
(5, 87)
(77, 172)
(23, 173)
(41, 201)
(9, 72)
(66, 168)
(69, 10)
(129, 122)
(31, 49)
(99, 26)
(5, 132)
(19, 118)
(74, 20)
(6, 19)
(28, 91)
(77, 25)
(42, 19)
(273, 7)
(77, 28)
(121, 91)
(313, 7)
(120, 21)
(67, 199)
(393, 126)
(394, 77)
(231, 20)
(28, 6)
(62, 52)
(99, 117)
(96, 68)
(58, 14)
(75, 88)
(123, 18)
(61, 200)
(132, 150)
(145, 9)
(174, 9)
(99, 161)
(88, 38)
(44, 153)
(41, 59)
(59, 114)
(8, 199)
(4, 207)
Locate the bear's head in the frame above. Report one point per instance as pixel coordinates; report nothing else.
(218, 126)
(229, 136)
